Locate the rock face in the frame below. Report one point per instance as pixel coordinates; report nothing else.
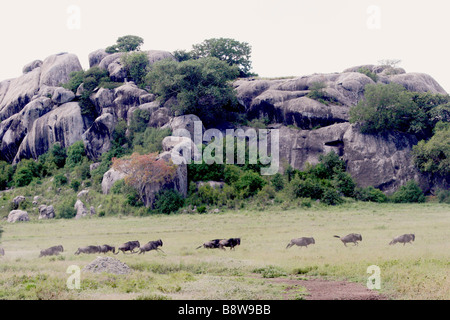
(81, 209)
(36, 112)
(18, 215)
(109, 178)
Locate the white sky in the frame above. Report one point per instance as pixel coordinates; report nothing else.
(288, 37)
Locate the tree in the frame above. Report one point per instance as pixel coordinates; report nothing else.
(385, 107)
(233, 52)
(433, 156)
(136, 64)
(143, 170)
(201, 87)
(126, 44)
(410, 192)
(75, 154)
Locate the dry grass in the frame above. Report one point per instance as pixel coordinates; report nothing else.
(417, 271)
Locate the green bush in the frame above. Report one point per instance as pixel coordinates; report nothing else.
(201, 87)
(331, 197)
(75, 185)
(66, 209)
(344, 183)
(168, 201)
(368, 73)
(443, 196)
(59, 180)
(6, 174)
(370, 194)
(249, 184)
(137, 65)
(75, 154)
(27, 169)
(410, 192)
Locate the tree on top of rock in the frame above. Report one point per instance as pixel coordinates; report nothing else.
(126, 44)
(142, 170)
(233, 52)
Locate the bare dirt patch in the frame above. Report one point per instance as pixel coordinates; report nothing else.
(321, 289)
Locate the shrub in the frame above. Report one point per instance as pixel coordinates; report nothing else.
(66, 209)
(344, 183)
(75, 185)
(308, 188)
(6, 174)
(249, 184)
(443, 196)
(370, 194)
(59, 180)
(277, 182)
(26, 170)
(201, 209)
(136, 65)
(410, 192)
(368, 73)
(75, 154)
(331, 197)
(168, 201)
(201, 87)
(433, 156)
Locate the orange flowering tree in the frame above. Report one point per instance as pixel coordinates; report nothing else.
(142, 170)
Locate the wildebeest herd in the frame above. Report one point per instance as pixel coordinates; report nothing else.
(232, 243)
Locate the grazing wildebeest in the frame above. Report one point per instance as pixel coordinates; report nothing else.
(405, 238)
(352, 237)
(301, 242)
(152, 245)
(88, 250)
(2, 252)
(128, 246)
(106, 248)
(213, 244)
(231, 243)
(53, 251)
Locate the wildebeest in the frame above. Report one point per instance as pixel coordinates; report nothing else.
(405, 238)
(88, 250)
(106, 248)
(128, 246)
(301, 242)
(213, 244)
(53, 251)
(152, 245)
(352, 237)
(231, 243)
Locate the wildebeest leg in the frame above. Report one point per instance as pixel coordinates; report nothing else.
(160, 250)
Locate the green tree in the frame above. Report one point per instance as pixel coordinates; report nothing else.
(410, 192)
(126, 44)
(75, 154)
(250, 183)
(27, 169)
(137, 65)
(385, 107)
(168, 201)
(433, 156)
(231, 51)
(6, 174)
(201, 87)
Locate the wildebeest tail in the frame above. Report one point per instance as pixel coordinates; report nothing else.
(336, 236)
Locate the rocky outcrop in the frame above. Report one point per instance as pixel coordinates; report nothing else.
(57, 68)
(382, 161)
(64, 125)
(81, 209)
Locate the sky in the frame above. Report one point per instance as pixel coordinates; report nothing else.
(288, 37)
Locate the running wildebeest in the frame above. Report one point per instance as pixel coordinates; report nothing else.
(128, 246)
(152, 245)
(352, 237)
(88, 250)
(53, 251)
(106, 248)
(213, 244)
(301, 242)
(405, 238)
(231, 243)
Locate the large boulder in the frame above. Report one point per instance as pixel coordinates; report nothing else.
(109, 178)
(18, 215)
(81, 209)
(64, 125)
(31, 66)
(96, 57)
(46, 212)
(17, 93)
(57, 68)
(97, 139)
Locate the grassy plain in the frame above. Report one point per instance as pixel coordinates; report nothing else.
(417, 271)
